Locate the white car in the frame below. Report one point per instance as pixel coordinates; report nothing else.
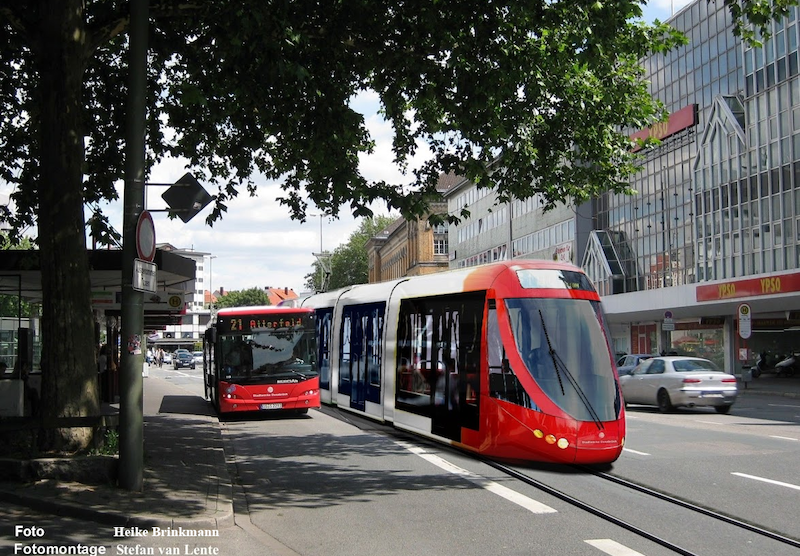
(677, 381)
(198, 357)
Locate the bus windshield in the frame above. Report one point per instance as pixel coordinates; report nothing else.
(267, 355)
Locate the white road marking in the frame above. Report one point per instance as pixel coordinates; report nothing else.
(613, 547)
(764, 480)
(784, 437)
(637, 452)
(512, 496)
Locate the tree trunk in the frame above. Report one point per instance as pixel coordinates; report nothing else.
(69, 376)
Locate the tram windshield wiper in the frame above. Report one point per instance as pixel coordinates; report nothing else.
(560, 366)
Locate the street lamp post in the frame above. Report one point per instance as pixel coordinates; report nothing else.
(211, 281)
(320, 257)
(131, 416)
(320, 228)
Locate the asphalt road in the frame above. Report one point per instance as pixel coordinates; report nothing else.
(327, 484)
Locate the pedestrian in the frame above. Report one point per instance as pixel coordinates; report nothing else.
(102, 360)
(102, 367)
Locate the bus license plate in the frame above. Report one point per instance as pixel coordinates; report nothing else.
(271, 406)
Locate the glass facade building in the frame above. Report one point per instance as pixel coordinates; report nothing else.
(717, 214)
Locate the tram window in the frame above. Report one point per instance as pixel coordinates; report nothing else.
(503, 383)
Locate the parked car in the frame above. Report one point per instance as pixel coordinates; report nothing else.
(678, 381)
(184, 359)
(167, 358)
(627, 363)
(198, 357)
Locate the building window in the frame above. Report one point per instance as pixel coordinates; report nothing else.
(440, 246)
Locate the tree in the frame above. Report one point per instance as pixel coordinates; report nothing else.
(244, 298)
(349, 263)
(261, 88)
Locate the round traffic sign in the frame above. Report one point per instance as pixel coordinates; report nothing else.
(146, 237)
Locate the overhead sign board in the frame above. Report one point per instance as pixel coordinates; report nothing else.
(161, 302)
(144, 276)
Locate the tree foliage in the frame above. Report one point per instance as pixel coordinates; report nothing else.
(243, 298)
(249, 90)
(349, 263)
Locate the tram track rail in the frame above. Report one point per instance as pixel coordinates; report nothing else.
(572, 500)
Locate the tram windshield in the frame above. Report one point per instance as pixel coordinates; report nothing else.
(264, 356)
(564, 348)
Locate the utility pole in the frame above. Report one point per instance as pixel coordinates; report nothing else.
(323, 260)
(131, 438)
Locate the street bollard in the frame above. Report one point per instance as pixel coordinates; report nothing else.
(747, 376)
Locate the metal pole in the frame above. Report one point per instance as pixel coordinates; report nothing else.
(131, 437)
(211, 282)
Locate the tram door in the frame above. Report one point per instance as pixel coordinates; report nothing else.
(446, 403)
(359, 375)
(456, 325)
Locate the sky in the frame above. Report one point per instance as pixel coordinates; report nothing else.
(256, 244)
(662, 9)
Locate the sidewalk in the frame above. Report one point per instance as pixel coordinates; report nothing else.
(186, 483)
(769, 384)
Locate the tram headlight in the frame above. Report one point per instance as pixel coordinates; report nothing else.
(562, 443)
(550, 439)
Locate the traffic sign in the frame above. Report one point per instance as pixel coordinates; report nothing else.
(144, 276)
(186, 197)
(668, 325)
(145, 237)
(745, 321)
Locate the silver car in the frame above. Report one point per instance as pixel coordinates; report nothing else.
(677, 381)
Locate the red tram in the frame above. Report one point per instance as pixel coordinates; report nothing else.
(261, 359)
(510, 360)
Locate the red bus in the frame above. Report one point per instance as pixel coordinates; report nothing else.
(261, 359)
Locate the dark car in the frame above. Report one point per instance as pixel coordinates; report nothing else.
(627, 363)
(183, 359)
